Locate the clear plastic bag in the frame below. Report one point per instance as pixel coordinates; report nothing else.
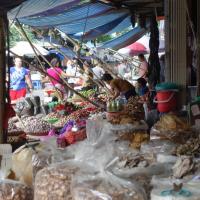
(54, 182)
(108, 187)
(176, 136)
(30, 158)
(137, 126)
(158, 146)
(99, 133)
(14, 190)
(22, 165)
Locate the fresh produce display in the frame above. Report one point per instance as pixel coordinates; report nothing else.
(86, 93)
(61, 122)
(52, 115)
(66, 108)
(35, 126)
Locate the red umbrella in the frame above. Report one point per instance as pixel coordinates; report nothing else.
(136, 48)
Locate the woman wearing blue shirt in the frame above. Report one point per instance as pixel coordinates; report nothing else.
(19, 76)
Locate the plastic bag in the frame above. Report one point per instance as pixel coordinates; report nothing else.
(157, 146)
(30, 158)
(54, 182)
(94, 130)
(108, 187)
(176, 136)
(137, 126)
(22, 165)
(99, 133)
(14, 190)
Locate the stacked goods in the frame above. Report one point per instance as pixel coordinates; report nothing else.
(170, 127)
(135, 108)
(77, 115)
(86, 93)
(36, 126)
(52, 115)
(65, 109)
(61, 122)
(83, 113)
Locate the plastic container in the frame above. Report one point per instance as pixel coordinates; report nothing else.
(166, 97)
(166, 86)
(6, 160)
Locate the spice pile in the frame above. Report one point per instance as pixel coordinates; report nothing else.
(36, 126)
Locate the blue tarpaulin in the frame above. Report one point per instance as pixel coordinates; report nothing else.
(125, 39)
(94, 33)
(41, 8)
(77, 17)
(91, 23)
(69, 16)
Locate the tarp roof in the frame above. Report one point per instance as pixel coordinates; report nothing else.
(76, 13)
(125, 39)
(76, 16)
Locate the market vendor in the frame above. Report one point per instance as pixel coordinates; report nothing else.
(119, 87)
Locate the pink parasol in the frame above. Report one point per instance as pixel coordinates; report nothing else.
(133, 49)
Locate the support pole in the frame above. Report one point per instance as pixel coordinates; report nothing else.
(154, 64)
(2, 73)
(198, 48)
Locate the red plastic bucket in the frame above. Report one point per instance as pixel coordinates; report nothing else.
(166, 100)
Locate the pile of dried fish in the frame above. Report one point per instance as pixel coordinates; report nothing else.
(190, 148)
(130, 161)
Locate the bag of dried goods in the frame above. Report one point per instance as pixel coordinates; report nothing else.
(13, 190)
(30, 158)
(105, 187)
(54, 182)
(170, 127)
